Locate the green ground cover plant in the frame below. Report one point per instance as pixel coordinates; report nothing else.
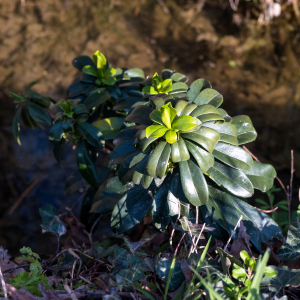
(176, 158)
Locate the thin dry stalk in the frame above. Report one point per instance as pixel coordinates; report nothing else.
(232, 233)
(69, 291)
(163, 6)
(199, 236)
(3, 284)
(173, 230)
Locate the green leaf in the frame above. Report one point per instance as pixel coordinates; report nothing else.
(245, 130)
(90, 70)
(245, 257)
(209, 96)
(86, 165)
(231, 179)
(207, 113)
(56, 132)
(163, 269)
(29, 86)
(130, 275)
(233, 156)
(262, 176)
(193, 182)
(204, 159)
(171, 136)
(184, 123)
(238, 273)
(57, 229)
(155, 131)
(149, 90)
(95, 99)
(285, 277)
(140, 115)
(82, 60)
(109, 80)
(270, 272)
(196, 87)
(290, 251)
(168, 114)
(226, 210)
(155, 116)
(92, 134)
(179, 151)
(135, 73)
(179, 87)
(227, 130)
(131, 209)
(158, 160)
(205, 137)
(37, 113)
(109, 127)
(178, 77)
(16, 125)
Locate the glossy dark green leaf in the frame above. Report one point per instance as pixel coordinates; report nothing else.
(224, 114)
(80, 110)
(178, 77)
(95, 99)
(131, 209)
(135, 73)
(67, 124)
(204, 159)
(108, 195)
(233, 156)
(179, 151)
(262, 176)
(127, 134)
(178, 87)
(286, 277)
(29, 86)
(207, 113)
(245, 130)
(109, 127)
(16, 125)
(86, 165)
(121, 152)
(193, 182)
(205, 137)
(196, 87)
(290, 251)
(231, 179)
(58, 150)
(163, 269)
(180, 106)
(91, 133)
(38, 99)
(158, 161)
(26, 118)
(56, 132)
(227, 131)
(140, 115)
(37, 113)
(226, 209)
(126, 103)
(209, 96)
(82, 60)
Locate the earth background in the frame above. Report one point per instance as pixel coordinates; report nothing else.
(254, 65)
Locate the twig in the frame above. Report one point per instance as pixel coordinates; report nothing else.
(179, 244)
(290, 188)
(79, 199)
(163, 6)
(173, 230)
(267, 211)
(199, 236)
(197, 214)
(15, 268)
(3, 284)
(69, 291)
(24, 194)
(232, 233)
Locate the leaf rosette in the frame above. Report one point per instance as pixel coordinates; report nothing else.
(186, 151)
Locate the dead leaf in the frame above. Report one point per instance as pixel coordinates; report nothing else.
(241, 243)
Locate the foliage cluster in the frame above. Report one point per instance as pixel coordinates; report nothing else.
(175, 156)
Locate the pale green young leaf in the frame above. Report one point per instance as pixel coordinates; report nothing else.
(270, 272)
(245, 257)
(108, 80)
(90, 70)
(168, 114)
(184, 123)
(239, 273)
(171, 136)
(150, 90)
(155, 131)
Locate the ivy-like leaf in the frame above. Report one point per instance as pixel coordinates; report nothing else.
(290, 251)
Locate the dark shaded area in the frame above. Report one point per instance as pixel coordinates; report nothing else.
(255, 65)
